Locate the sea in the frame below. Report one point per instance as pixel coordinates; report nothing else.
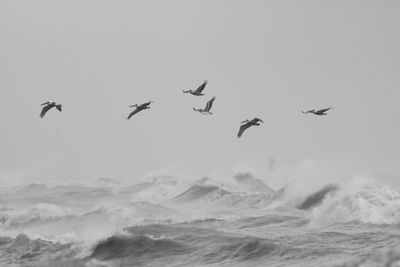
(169, 221)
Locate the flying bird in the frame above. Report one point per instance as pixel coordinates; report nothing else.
(49, 105)
(139, 108)
(317, 112)
(198, 91)
(247, 124)
(206, 110)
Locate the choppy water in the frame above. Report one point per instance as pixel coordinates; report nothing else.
(167, 222)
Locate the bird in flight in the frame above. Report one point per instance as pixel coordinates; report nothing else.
(247, 124)
(206, 110)
(317, 112)
(139, 108)
(198, 91)
(49, 105)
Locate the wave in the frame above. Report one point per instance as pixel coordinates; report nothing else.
(316, 198)
(386, 258)
(249, 183)
(83, 230)
(217, 197)
(135, 247)
(201, 192)
(22, 250)
(374, 205)
(146, 244)
(39, 213)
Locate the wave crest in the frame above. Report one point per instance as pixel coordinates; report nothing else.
(367, 205)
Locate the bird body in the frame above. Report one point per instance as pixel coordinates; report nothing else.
(49, 105)
(198, 91)
(247, 124)
(208, 107)
(317, 112)
(139, 108)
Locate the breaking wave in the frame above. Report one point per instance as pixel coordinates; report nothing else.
(375, 205)
(163, 221)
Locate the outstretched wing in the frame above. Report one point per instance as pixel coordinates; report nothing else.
(210, 103)
(242, 129)
(133, 113)
(144, 105)
(323, 110)
(44, 110)
(257, 120)
(201, 87)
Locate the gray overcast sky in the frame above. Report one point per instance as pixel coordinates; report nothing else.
(262, 58)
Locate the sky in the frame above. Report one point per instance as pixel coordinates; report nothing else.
(269, 59)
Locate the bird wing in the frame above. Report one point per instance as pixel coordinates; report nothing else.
(209, 104)
(256, 120)
(44, 110)
(243, 128)
(134, 112)
(201, 87)
(323, 110)
(146, 104)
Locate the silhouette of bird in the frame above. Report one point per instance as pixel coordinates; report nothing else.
(139, 108)
(49, 105)
(247, 124)
(317, 112)
(206, 110)
(198, 91)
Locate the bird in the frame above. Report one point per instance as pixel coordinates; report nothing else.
(317, 112)
(247, 124)
(49, 105)
(198, 91)
(139, 108)
(206, 110)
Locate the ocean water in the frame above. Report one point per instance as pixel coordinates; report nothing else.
(167, 222)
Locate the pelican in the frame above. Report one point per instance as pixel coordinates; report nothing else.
(247, 124)
(198, 91)
(49, 105)
(139, 108)
(206, 110)
(317, 112)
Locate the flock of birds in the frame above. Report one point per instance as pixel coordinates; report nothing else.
(206, 111)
